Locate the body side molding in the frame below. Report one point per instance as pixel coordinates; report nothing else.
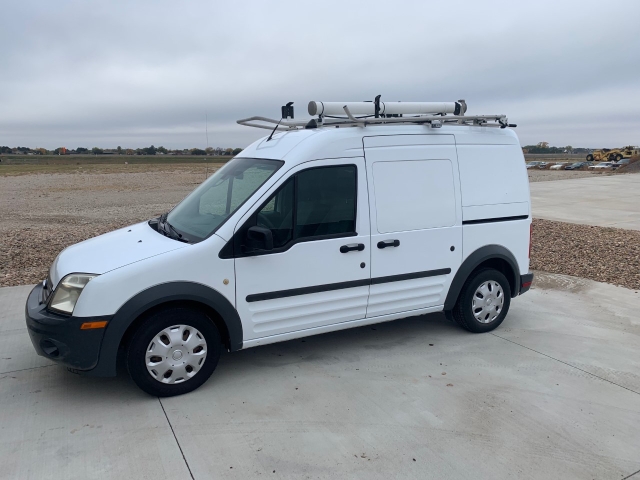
(257, 297)
(488, 252)
(496, 219)
(156, 295)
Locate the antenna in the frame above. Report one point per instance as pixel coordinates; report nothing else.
(287, 111)
(206, 127)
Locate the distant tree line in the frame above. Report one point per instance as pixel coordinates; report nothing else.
(543, 147)
(151, 150)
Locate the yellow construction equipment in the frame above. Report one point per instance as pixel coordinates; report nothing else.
(613, 155)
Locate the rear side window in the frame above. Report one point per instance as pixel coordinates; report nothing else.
(414, 195)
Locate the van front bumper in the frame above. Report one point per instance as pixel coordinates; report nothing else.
(59, 337)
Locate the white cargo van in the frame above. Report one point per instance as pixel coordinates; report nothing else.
(388, 211)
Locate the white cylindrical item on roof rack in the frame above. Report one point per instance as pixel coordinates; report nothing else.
(386, 108)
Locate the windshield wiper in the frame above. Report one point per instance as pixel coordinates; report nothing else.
(168, 229)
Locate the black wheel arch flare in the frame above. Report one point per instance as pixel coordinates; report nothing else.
(490, 255)
(155, 296)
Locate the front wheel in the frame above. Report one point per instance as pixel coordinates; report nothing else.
(173, 351)
(483, 302)
(589, 158)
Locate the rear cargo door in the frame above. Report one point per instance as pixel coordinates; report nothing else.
(416, 221)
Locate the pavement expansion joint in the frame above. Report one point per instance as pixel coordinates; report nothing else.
(634, 473)
(569, 365)
(25, 369)
(176, 439)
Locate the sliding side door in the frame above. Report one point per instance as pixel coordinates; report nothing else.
(416, 221)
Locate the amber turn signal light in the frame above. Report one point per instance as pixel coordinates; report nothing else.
(92, 325)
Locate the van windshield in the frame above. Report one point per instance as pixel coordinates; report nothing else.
(217, 198)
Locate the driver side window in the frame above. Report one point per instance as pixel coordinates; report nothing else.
(277, 214)
(313, 204)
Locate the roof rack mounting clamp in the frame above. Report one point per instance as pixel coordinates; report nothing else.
(376, 106)
(461, 107)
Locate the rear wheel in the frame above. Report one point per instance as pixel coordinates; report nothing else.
(483, 302)
(173, 351)
(618, 157)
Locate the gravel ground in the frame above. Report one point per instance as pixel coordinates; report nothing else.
(42, 214)
(547, 175)
(610, 255)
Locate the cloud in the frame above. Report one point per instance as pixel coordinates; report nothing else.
(141, 72)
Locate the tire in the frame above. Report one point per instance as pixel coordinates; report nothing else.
(463, 311)
(179, 367)
(589, 158)
(618, 157)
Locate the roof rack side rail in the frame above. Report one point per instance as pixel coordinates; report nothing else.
(335, 114)
(284, 125)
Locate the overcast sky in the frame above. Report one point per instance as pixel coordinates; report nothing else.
(135, 73)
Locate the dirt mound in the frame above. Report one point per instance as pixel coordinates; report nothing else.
(632, 167)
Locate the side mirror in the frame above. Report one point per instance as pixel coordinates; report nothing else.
(259, 238)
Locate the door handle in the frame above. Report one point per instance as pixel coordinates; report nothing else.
(389, 243)
(352, 247)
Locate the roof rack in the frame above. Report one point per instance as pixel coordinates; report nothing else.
(336, 114)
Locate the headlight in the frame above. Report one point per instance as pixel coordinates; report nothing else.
(68, 291)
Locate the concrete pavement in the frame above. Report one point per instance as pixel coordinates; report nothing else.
(553, 393)
(607, 201)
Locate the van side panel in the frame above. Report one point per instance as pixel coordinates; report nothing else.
(511, 234)
(492, 175)
(495, 199)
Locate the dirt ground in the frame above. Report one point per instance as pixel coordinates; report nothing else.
(548, 175)
(42, 213)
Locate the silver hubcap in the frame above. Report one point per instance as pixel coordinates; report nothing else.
(487, 302)
(176, 354)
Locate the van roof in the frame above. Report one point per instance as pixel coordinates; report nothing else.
(297, 146)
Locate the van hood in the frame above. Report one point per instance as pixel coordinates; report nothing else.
(112, 250)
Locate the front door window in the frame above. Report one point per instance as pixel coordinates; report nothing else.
(313, 204)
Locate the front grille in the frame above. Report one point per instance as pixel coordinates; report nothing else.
(46, 290)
